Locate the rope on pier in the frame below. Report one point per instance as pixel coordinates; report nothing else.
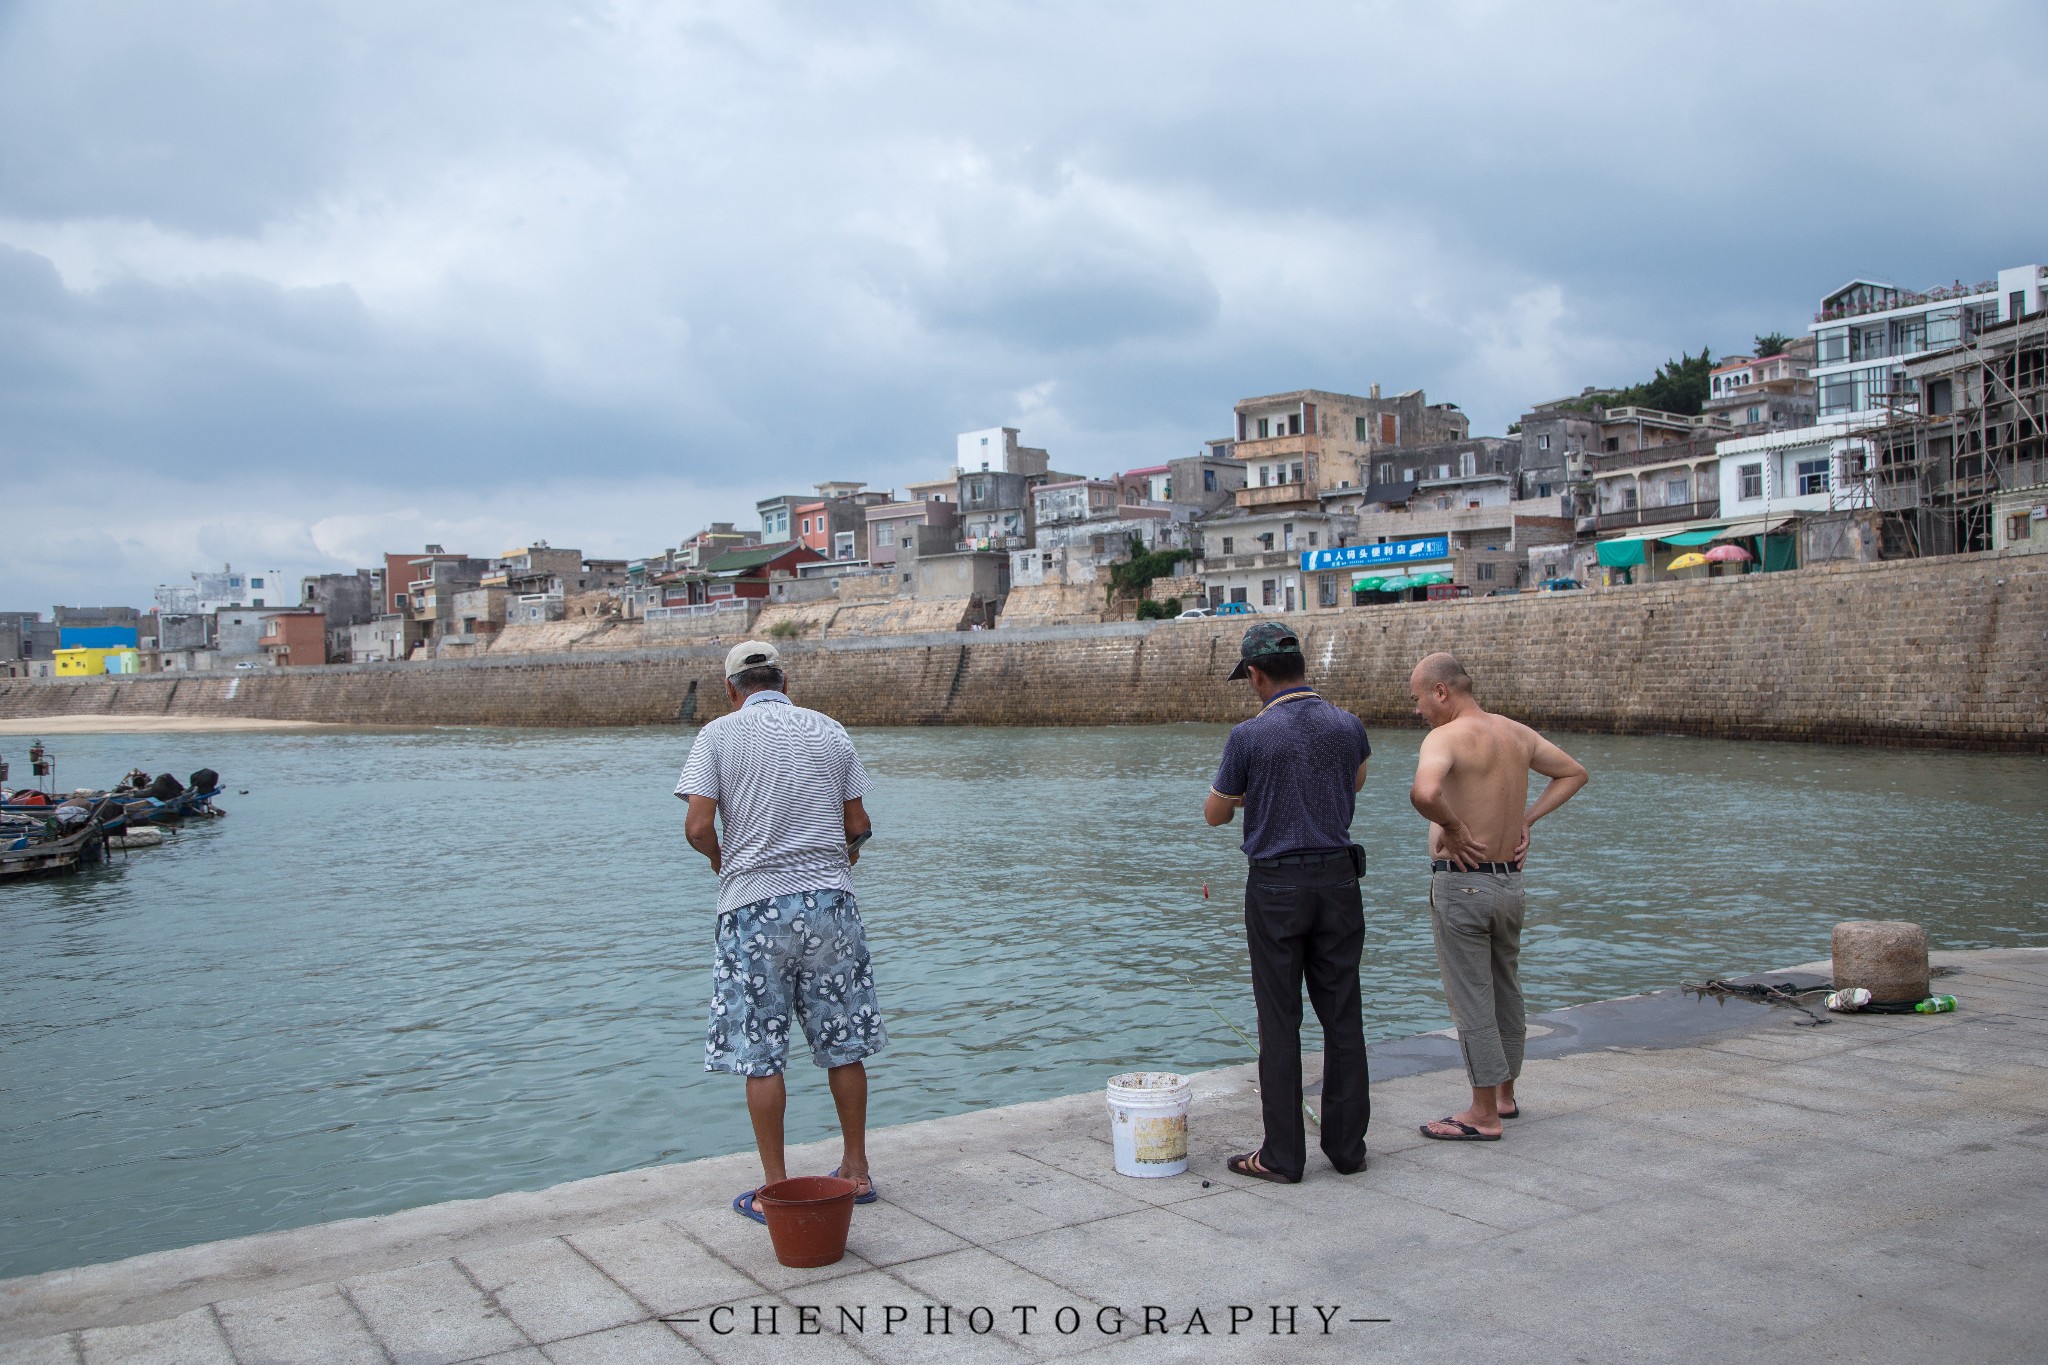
(1777, 993)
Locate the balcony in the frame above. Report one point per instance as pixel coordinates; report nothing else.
(1277, 447)
(1658, 516)
(1265, 559)
(1278, 495)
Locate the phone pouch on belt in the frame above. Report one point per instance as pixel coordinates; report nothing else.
(1357, 861)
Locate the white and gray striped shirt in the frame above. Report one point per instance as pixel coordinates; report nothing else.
(781, 776)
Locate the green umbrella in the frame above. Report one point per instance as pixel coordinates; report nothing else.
(1424, 580)
(1366, 584)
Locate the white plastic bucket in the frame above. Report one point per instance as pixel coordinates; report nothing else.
(1148, 1122)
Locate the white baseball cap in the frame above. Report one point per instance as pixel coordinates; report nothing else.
(751, 654)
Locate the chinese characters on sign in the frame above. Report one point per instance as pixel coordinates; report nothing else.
(1363, 556)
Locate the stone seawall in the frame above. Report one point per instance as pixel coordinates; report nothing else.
(1947, 651)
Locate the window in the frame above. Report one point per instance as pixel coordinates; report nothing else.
(1266, 594)
(2019, 526)
(1230, 545)
(1483, 572)
(1443, 471)
(255, 582)
(1751, 477)
(1297, 474)
(1941, 397)
(1386, 474)
(1265, 428)
(1294, 424)
(1755, 415)
(1613, 443)
(1390, 429)
(1208, 481)
(1628, 499)
(1542, 490)
(1468, 464)
(1677, 491)
(885, 533)
(1265, 472)
(1361, 427)
(1287, 536)
(1543, 442)
(1409, 475)
(1311, 540)
(1237, 594)
(1266, 541)
(1326, 590)
(1813, 477)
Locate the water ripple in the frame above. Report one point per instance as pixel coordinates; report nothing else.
(417, 967)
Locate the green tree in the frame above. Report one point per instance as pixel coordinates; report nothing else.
(1680, 385)
(1134, 575)
(1773, 343)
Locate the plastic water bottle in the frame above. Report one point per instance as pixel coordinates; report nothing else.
(1854, 998)
(1936, 1004)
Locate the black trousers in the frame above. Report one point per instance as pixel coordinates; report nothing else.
(1306, 924)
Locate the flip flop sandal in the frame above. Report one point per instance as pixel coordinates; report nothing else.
(1243, 1165)
(1513, 1113)
(870, 1197)
(743, 1204)
(1466, 1132)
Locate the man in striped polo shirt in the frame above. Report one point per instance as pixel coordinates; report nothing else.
(775, 795)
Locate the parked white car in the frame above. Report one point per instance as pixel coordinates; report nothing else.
(1194, 614)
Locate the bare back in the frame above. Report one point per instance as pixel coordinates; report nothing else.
(1487, 784)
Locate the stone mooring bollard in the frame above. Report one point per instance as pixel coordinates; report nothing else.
(1886, 957)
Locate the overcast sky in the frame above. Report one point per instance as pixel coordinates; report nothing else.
(290, 284)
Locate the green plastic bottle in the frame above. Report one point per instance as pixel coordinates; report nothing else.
(1936, 1004)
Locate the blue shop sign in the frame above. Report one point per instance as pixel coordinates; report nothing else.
(1368, 556)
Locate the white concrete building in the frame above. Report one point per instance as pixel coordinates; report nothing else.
(1784, 472)
(1865, 333)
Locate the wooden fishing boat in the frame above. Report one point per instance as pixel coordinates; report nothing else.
(54, 852)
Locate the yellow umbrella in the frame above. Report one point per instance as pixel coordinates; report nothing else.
(1692, 559)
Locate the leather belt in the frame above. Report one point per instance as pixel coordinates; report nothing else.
(1497, 869)
(1301, 859)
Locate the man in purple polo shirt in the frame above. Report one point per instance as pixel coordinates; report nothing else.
(1296, 769)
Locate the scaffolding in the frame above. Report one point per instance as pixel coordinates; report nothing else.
(1961, 427)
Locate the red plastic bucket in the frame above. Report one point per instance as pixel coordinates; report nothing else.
(808, 1218)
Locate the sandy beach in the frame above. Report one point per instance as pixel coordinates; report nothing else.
(148, 725)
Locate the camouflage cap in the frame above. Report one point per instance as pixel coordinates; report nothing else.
(1263, 641)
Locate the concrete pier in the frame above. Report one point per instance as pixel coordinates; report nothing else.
(1691, 1181)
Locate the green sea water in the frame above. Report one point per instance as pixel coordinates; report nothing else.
(420, 966)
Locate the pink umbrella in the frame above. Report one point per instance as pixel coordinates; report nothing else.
(1729, 554)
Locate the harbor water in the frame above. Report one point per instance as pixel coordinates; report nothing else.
(420, 966)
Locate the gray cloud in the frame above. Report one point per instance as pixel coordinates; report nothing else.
(495, 270)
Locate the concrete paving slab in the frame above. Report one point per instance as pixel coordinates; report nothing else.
(987, 1197)
(315, 1325)
(762, 1330)
(61, 1350)
(550, 1291)
(886, 1234)
(743, 1244)
(1022, 1304)
(642, 1343)
(662, 1266)
(857, 1309)
(432, 1315)
(192, 1338)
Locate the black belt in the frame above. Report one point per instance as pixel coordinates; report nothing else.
(1497, 869)
(1301, 859)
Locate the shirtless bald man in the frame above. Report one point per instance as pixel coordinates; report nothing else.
(1472, 785)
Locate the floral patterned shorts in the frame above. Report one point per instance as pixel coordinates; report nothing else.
(803, 955)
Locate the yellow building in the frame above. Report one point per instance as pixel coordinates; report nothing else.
(81, 662)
